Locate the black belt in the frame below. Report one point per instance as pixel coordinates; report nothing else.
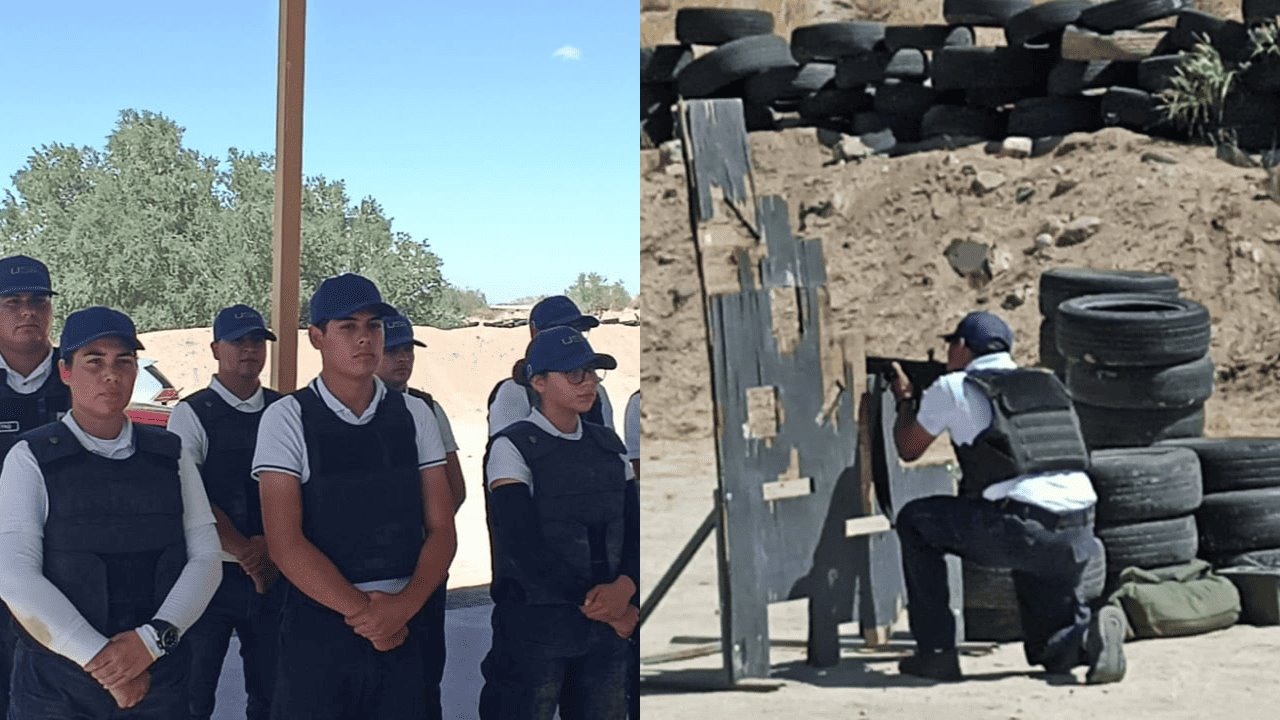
(1049, 519)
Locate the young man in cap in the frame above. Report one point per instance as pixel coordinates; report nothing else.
(31, 393)
(564, 521)
(219, 430)
(358, 518)
(512, 399)
(1025, 503)
(397, 367)
(108, 551)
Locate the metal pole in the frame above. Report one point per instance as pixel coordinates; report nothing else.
(286, 225)
(681, 562)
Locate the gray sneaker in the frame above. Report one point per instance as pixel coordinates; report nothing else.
(1104, 646)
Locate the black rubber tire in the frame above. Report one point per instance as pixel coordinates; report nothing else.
(1072, 77)
(657, 121)
(992, 625)
(1239, 521)
(1132, 330)
(907, 64)
(1248, 108)
(1140, 484)
(1260, 10)
(717, 26)
(1232, 42)
(1151, 544)
(1130, 108)
(1127, 14)
(788, 83)
(1128, 428)
(994, 98)
(970, 68)
(1050, 116)
(1229, 464)
(903, 99)
(865, 123)
(961, 121)
(1194, 26)
(927, 37)
(1268, 558)
(1049, 355)
(1043, 23)
(1168, 386)
(983, 13)
(731, 63)
(835, 103)
(1156, 73)
(906, 130)
(987, 588)
(861, 69)
(834, 40)
(1063, 283)
(1263, 75)
(661, 64)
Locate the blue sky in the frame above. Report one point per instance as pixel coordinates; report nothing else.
(502, 132)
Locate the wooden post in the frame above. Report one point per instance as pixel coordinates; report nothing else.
(286, 225)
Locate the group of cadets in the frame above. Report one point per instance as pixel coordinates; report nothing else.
(318, 526)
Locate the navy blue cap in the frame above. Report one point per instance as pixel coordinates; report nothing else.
(559, 311)
(237, 321)
(342, 296)
(22, 274)
(397, 331)
(84, 326)
(562, 349)
(982, 332)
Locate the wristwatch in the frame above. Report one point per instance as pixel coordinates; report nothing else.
(165, 634)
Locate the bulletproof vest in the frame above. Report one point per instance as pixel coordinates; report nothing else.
(362, 503)
(113, 538)
(1033, 430)
(426, 397)
(579, 489)
(227, 468)
(20, 413)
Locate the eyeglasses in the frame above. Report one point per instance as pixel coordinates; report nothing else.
(580, 375)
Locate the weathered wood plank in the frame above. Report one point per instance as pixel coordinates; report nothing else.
(1128, 45)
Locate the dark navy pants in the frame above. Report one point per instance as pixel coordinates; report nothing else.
(328, 672)
(45, 685)
(527, 677)
(432, 645)
(256, 621)
(1047, 557)
(8, 636)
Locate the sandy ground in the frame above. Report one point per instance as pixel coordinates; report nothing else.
(459, 368)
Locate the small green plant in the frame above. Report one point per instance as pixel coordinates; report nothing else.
(1265, 40)
(1198, 91)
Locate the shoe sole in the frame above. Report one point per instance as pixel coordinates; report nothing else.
(1106, 646)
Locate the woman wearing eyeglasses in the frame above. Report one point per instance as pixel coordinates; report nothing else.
(564, 520)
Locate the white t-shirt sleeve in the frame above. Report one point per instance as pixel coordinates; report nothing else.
(606, 407)
(446, 430)
(631, 427)
(938, 405)
(505, 462)
(430, 445)
(511, 404)
(184, 423)
(38, 604)
(281, 446)
(194, 589)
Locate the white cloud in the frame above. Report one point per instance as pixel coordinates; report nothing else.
(568, 52)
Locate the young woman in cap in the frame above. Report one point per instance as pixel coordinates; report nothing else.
(108, 551)
(219, 429)
(358, 518)
(564, 524)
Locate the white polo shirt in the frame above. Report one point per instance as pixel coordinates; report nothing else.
(631, 427)
(506, 462)
(511, 405)
(24, 508)
(282, 446)
(25, 385)
(961, 409)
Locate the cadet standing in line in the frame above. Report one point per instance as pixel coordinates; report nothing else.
(108, 551)
(219, 429)
(631, 430)
(31, 393)
(358, 518)
(512, 398)
(396, 368)
(564, 521)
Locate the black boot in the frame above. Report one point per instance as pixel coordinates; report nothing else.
(940, 665)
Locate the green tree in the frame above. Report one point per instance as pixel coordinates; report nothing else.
(592, 293)
(171, 235)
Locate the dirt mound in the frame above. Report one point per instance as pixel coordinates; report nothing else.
(885, 223)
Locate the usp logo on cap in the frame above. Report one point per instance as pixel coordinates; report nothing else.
(397, 331)
(562, 349)
(22, 274)
(238, 321)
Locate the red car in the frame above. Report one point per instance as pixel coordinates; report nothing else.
(153, 395)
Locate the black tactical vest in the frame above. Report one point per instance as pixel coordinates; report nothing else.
(362, 503)
(227, 468)
(1033, 430)
(20, 413)
(113, 539)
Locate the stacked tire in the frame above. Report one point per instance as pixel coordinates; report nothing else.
(1239, 519)
(1147, 498)
(658, 69)
(991, 605)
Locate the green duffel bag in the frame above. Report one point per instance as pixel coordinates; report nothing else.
(1186, 599)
